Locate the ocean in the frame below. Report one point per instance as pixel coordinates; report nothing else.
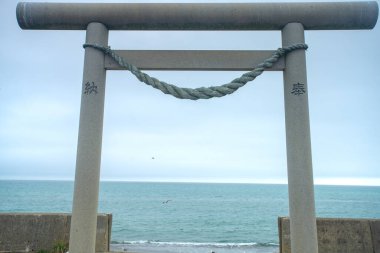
(191, 217)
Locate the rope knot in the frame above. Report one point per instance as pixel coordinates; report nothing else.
(107, 50)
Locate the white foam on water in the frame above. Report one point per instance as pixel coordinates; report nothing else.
(193, 247)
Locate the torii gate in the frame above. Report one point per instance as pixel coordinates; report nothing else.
(289, 18)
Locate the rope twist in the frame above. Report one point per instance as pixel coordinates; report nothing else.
(201, 92)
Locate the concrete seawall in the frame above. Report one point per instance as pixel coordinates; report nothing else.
(338, 235)
(31, 232)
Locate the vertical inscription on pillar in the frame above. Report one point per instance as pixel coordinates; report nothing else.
(298, 89)
(90, 88)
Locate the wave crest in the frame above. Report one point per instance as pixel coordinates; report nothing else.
(198, 244)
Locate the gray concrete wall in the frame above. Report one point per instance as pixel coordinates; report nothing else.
(21, 232)
(338, 235)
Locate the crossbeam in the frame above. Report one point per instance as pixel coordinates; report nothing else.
(208, 60)
(198, 16)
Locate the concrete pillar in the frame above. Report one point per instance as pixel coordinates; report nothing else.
(303, 229)
(86, 189)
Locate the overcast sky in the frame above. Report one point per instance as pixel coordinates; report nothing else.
(238, 138)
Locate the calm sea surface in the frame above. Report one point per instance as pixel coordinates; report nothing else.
(190, 217)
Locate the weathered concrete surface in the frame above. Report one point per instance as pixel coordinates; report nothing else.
(199, 60)
(375, 229)
(298, 145)
(87, 172)
(36, 231)
(338, 235)
(198, 16)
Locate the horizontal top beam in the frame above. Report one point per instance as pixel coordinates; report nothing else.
(196, 16)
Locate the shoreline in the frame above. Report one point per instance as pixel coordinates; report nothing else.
(193, 248)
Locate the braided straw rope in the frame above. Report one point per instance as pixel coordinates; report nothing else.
(202, 92)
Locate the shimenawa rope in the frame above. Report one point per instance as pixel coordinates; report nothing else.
(201, 92)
